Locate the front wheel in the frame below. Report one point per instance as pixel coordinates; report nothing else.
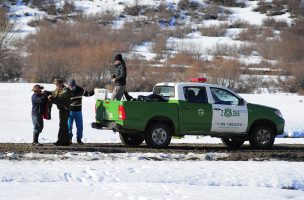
(158, 135)
(233, 142)
(262, 137)
(132, 140)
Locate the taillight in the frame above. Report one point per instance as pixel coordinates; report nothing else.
(121, 113)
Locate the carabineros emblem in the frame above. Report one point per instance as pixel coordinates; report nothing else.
(228, 112)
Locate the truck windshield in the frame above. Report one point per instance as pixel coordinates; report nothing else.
(165, 91)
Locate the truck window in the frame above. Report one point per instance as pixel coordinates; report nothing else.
(195, 94)
(222, 96)
(165, 91)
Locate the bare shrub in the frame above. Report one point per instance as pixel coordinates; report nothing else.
(214, 30)
(134, 10)
(228, 3)
(224, 72)
(6, 35)
(271, 8)
(180, 31)
(214, 12)
(83, 50)
(239, 24)
(263, 7)
(68, 7)
(10, 61)
(138, 31)
(188, 5)
(290, 48)
(51, 8)
(161, 14)
(249, 34)
(159, 44)
(272, 23)
(231, 50)
(105, 18)
(181, 59)
(292, 80)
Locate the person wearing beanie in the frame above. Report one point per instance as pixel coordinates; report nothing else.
(39, 101)
(119, 77)
(76, 109)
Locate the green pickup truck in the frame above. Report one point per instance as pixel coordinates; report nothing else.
(190, 108)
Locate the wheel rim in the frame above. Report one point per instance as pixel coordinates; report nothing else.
(263, 137)
(159, 136)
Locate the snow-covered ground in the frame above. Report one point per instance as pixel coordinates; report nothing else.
(16, 124)
(128, 176)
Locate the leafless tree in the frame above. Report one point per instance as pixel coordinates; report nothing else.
(6, 33)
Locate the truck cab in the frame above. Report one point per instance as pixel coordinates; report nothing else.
(191, 108)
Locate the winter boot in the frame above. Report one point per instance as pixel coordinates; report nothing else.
(79, 142)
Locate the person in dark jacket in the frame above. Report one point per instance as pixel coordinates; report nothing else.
(39, 101)
(119, 78)
(76, 109)
(61, 96)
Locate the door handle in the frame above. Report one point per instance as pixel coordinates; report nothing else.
(216, 109)
(186, 107)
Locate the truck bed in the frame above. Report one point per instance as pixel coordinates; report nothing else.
(138, 113)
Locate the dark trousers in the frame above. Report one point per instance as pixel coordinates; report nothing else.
(38, 126)
(63, 134)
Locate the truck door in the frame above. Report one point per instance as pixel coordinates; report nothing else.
(195, 110)
(230, 112)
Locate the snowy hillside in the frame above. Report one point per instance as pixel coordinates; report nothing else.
(22, 13)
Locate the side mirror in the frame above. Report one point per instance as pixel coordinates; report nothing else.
(241, 102)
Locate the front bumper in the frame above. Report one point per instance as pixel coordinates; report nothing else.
(280, 126)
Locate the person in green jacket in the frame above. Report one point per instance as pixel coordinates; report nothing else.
(61, 96)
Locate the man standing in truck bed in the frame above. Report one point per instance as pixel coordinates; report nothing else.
(76, 109)
(119, 78)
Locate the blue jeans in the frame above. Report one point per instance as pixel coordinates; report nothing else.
(77, 116)
(38, 126)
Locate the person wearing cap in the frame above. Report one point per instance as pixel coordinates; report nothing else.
(76, 109)
(119, 77)
(61, 96)
(39, 101)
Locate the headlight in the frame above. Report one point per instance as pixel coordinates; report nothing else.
(278, 113)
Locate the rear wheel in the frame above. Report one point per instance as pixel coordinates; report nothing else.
(131, 139)
(158, 135)
(233, 142)
(262, 137)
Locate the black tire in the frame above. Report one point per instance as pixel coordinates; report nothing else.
(158, 135)
(262, 137)
(132, 140)
(233, 142)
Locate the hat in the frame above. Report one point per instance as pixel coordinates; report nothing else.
(72, 82)
(37, 87)
(58, 81)
(118, 57)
